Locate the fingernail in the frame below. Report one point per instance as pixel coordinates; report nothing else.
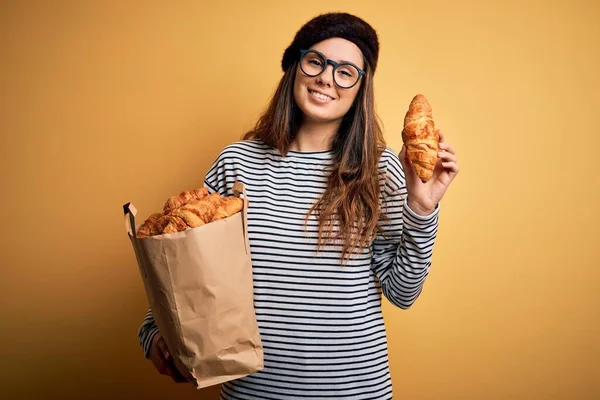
(167, 355)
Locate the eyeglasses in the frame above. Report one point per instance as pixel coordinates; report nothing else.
(345, 74)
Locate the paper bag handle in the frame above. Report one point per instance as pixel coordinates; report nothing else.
(130, 212)
(239, 188)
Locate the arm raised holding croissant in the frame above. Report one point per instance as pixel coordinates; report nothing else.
(429, 162)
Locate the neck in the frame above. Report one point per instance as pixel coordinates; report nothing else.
(315, 136)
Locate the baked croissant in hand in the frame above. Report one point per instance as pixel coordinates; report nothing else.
(420, 137)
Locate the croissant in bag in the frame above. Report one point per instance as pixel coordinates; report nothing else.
(194, 260)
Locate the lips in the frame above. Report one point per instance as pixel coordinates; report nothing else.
(320, 96)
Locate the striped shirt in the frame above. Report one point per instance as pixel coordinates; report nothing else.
(321, 322)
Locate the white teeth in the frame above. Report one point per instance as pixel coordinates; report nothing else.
(321, 96)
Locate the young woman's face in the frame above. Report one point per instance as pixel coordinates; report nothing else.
(319, 98)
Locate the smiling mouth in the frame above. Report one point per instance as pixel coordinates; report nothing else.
(320, 96)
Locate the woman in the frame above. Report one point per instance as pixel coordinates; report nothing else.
(336, 219)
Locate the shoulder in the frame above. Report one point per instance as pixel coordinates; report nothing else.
(390, 160)
(253, 146)
(243, 149)
(391, 169)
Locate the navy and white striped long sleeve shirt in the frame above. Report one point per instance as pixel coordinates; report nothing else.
(321, 323)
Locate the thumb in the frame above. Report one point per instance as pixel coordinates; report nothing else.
(162, 345)
(404, 160)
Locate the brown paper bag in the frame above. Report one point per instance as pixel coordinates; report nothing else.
(199, 287)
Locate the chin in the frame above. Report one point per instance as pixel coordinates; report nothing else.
(319, 117)
(316, 113)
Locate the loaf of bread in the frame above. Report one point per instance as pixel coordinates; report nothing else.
(189, 209)
(420, 137)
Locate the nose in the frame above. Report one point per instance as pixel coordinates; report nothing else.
(326, 77)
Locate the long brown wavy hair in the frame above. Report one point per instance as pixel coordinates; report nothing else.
(351, 198)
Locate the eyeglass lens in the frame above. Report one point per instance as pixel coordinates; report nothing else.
(313, 64)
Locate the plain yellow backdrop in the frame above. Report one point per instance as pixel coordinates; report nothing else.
(104, 102)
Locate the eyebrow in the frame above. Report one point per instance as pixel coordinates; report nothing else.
(339, 61)
(344, 61)
(355, 64)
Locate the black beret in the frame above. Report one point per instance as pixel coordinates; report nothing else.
(341, 25)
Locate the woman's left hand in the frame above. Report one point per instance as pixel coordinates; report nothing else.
(424, 197)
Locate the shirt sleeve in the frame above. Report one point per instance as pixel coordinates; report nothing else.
(402, 250)
(146, 332)
(222, 173)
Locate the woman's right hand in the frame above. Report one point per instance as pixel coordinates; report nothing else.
(162, 359)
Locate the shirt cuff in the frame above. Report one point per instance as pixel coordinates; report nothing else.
(420, 220)
(147, 343)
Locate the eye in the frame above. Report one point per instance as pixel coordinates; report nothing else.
(347, 72)
(315, 61)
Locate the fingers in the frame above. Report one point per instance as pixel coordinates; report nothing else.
(402, 153)
(159, 354)
(175, 374)
(406, 164)
(163, 360)
(446, 156)
(160, 363)
(446, 147)
(448, 159)
(451, 166)
(440, 135)
(167, 367)
(162, 345)
(443, 145)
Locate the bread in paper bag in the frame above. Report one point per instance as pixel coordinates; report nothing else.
(198, 281)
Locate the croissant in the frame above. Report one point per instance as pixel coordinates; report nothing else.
(146, 229)
(196, 213)
(191, 208)
(214, 199)
(420, 137)
(154, 225)
(175, 224)
(183, 198)
(228, 207)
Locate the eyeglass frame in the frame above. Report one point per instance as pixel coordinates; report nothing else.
(335, 64)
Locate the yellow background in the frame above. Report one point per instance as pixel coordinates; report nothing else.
(104, 102)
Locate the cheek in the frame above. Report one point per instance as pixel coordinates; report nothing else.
(348, 97)
(299, 88)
